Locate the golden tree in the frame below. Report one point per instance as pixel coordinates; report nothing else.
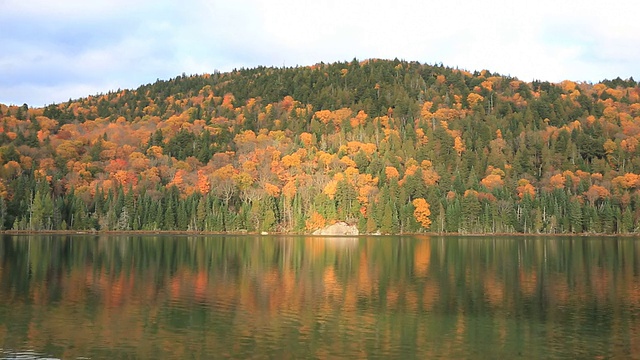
(422, 212)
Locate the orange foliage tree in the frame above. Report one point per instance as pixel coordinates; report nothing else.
(204, 185)
(315, 221)
(422, 212)
(492, 181)
(524, 188)
(458, 145)
(391, 172)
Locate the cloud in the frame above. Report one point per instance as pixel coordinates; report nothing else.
(54, 50)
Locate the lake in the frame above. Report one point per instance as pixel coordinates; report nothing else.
(139, 296)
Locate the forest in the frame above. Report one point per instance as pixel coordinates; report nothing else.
(390, 146)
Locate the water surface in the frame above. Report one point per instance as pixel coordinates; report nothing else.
(312, 297)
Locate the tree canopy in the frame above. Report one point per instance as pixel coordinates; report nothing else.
(391, 146)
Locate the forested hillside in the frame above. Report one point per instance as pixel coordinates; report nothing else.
(391, 146)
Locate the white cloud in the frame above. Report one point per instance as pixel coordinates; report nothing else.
(108, 44)
(78, 10)
(51, 94)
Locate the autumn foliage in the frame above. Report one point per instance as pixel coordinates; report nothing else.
(377, 144)
(422, 212)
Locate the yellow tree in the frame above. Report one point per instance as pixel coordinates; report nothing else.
(524, 188)
(315, 221)
(458, 145)
(422, 212)
(307, 139)
(391, 172)
(359, 120)
(473, 99)
(272, 190)
(492, 181)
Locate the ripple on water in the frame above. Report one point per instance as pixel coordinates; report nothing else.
(23, 355)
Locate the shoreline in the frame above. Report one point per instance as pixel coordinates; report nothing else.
(243, 233)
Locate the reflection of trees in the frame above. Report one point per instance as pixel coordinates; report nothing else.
(192, 296)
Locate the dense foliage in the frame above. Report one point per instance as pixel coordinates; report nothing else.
(391, 146)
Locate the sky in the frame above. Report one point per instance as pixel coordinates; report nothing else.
(53, 51)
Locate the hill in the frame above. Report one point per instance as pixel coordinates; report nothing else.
(391, 146)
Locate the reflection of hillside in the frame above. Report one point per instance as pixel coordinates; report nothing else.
(204, 294)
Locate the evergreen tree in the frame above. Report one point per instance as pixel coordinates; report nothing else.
(386, 225)
(3, 214)
(182, 216)
(627, 221)
(169, 221)
(575, 216)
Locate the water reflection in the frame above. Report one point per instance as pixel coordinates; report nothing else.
(242, 296)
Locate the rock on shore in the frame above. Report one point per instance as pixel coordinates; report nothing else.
(338, 229)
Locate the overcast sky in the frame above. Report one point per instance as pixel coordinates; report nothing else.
(55, 50)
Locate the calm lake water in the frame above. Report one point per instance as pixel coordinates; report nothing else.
(311, 297)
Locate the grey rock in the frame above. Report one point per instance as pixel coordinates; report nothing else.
(338, 229)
